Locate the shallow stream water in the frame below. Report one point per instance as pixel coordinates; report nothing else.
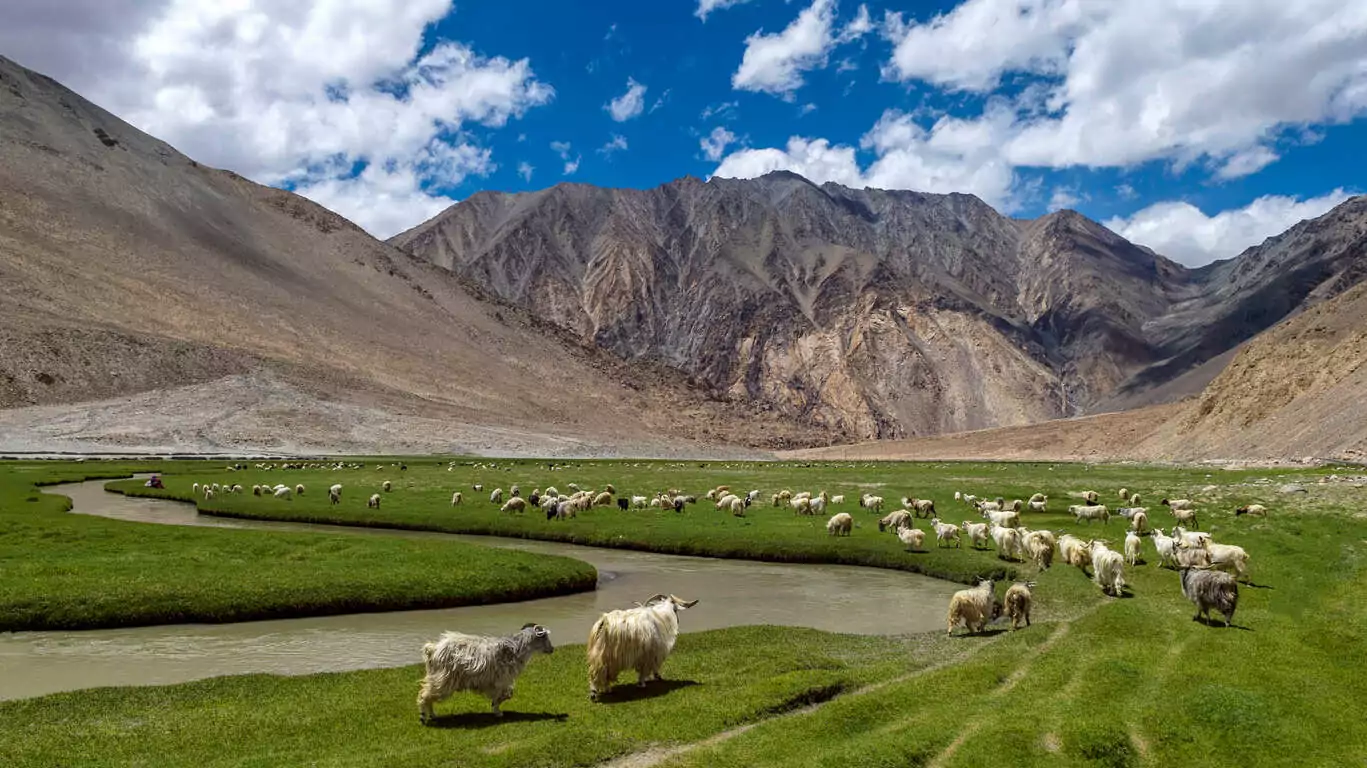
(731, 593)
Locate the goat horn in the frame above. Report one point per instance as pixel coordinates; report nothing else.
(683, 603)
(656, 596)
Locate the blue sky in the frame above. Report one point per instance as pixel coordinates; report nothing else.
(1197, 129)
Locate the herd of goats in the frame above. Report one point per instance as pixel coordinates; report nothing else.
(641, 638)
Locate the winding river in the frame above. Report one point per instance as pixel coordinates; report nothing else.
(731, 592)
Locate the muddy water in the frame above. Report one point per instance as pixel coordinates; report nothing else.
(732, 593)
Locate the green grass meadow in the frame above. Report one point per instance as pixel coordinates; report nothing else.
(1095, 681)
(64, 571)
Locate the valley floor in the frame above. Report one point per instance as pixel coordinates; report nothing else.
(1094, 681)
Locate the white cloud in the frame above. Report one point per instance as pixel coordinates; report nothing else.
(774, 63)
(1129, 81)
(725, 110)
(1126, 192)
(660, 102)
(1246, 163)
(629, 104)
(707, 6)
(953, 156)
(525, 170)
(562, 148)
(1180, 231)
(714, 145)
(290, 92)
(1063, 197)
(806, 109)
(617, 143)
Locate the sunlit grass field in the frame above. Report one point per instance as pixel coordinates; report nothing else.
(1095, 681)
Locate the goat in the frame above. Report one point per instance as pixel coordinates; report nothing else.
(639, 638)
(489, 665)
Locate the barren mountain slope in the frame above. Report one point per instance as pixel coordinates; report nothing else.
(1298, 389)
(127, 267)
(880, 313)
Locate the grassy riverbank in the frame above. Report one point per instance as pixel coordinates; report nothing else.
(721, 679)
(421, 500)
(63, 571)
(1095, 681)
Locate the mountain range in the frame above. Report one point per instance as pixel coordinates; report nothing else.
(150, 302)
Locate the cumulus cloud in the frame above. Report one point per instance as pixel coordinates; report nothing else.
(1128, 81)
(774, 63)
(525, 170)
(629, 104)
(707, 6)
(1180, 231)
(951, 156)
(302, 93)
(714, 144)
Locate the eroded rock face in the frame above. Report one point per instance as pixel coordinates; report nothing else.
(878, 313)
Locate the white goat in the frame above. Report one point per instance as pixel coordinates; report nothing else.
(1090, 512)
(945, 532)
(840, 524)
(1166, 547)
(1132, 544)
(488, 665)
(1008, 542)
(639, 638)
(913, 538)
(973, 607)
(1108, 569)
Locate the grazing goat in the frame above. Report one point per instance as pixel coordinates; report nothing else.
(921, 507)
(283, 493)
(1090, 497)
(386, 486)
(1178, 503)
(912, 537)
(624, 504)
(1257, 510)
(840, 524)
(496, 496)
(1210, 589)
(299, 489)
(374, 501)
(973, 607)
(639, 638)
(515, 504)
(1017, 601)
(457, 498)
(488, 665)
(895, 520)
(872, 503)
(334, 497)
